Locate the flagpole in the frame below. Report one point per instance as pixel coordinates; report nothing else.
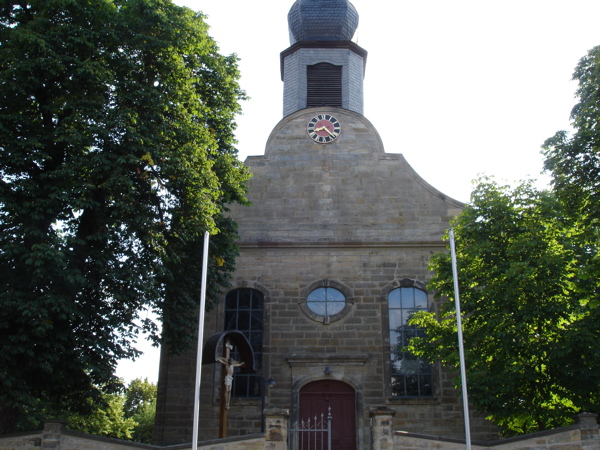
(461, 351)
(200, 341)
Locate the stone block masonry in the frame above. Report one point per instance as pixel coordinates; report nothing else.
(345, 215)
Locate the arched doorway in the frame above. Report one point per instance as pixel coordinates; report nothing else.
(317, 397)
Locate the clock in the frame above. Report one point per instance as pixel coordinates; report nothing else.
(323, 128)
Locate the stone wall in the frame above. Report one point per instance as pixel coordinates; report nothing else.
(582, 435)
(56, 437)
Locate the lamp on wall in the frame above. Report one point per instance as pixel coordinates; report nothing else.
(327, 371)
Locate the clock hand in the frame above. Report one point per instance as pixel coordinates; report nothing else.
(326, 129)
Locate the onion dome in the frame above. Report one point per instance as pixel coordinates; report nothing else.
(322, 20)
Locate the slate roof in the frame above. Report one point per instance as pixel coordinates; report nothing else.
(322, 20)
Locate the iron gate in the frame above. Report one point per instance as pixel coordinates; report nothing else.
(311, 434)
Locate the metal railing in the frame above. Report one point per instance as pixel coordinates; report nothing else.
(311, 434)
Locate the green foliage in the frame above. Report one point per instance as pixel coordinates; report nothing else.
(139, 394)
(574, 161)
(140, 406)
(143, 431)
(517, 272)
(528, 270)
(117, 152)
(106, 420)
(127, 416)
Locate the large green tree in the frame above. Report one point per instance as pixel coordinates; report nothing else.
(528, 271)
(573, 160)
(117, 152)
(528, 336)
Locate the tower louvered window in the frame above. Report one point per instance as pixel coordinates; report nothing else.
(324, 85)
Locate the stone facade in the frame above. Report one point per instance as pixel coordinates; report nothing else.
(346, 215)
(343, 217)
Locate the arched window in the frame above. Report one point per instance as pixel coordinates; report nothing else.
(244, 312)
(411, 375)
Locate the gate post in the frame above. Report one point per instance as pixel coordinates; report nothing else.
(276, 423)
(52, 434)
(381, 427)
(588, 426)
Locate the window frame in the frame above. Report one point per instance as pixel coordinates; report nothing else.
(326, 320)
(424, 374)
(251, 381)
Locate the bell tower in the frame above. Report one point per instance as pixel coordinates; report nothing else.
(322, 66)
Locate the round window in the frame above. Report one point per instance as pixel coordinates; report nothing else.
(326, 301)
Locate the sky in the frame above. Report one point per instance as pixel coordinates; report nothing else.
(461, 88)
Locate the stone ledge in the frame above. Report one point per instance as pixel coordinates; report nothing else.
(306, 360)
(348, 244)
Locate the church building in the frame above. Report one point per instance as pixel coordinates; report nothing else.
(333, 261)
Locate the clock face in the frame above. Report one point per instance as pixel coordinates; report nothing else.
(323, 128)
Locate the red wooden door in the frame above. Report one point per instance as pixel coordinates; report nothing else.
(317, 397)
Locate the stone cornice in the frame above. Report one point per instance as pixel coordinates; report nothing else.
(441, 245)
(305, 360)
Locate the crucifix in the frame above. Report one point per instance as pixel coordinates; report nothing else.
(229, 366)
(224, 343)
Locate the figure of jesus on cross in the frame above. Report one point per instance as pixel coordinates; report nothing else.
(229, 365)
